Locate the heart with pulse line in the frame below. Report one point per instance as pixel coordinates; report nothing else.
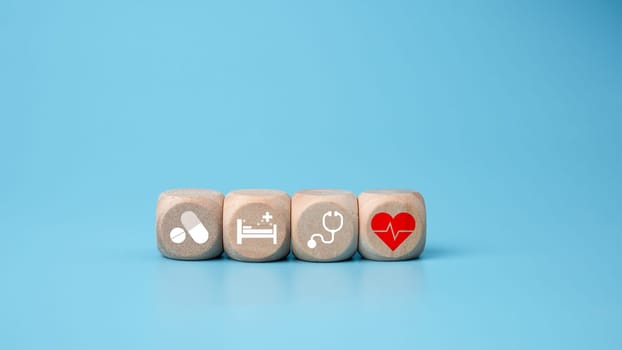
(393, 231)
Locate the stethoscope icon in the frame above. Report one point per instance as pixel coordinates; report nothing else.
(311, 243)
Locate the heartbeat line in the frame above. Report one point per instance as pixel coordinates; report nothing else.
(394, 233)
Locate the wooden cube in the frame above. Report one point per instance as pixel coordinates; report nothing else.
(392, 224)
(189, 224)
(324, 225)
(256, 225)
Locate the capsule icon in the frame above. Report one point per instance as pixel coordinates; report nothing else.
(192, 226)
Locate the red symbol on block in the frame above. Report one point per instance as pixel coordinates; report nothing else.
(393, 230)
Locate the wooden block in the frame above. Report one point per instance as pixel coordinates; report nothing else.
(391, 224)
(324, 225)
(256, 225)
(189, 224)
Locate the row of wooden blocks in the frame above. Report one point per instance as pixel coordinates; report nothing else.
(317, 225)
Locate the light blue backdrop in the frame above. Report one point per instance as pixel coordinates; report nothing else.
(506, 116)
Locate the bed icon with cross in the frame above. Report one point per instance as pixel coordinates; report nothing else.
(248, 232)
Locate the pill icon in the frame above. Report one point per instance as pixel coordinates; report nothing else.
(194, 227)
(178, 235)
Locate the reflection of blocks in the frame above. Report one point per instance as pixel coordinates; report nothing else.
(250, 222)
(189, 224)
(392, 224)
(315, 213)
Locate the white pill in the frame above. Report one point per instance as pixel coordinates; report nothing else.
(195, 228)
(178, 235)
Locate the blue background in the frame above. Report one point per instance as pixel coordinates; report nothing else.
(506, 116)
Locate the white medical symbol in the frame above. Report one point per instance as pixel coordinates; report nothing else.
(191, 223)
(311, 243)
(247, 231)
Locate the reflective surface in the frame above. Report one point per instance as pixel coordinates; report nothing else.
(506, 117)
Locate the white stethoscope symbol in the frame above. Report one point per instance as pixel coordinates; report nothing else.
(311, 243)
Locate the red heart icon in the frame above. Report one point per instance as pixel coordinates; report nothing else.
(393, 230)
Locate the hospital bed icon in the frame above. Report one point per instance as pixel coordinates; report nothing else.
(245, 231)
